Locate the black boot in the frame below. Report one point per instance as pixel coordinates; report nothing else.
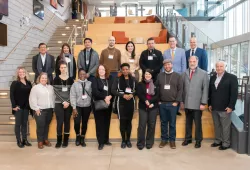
(83, 141)
(128, 143)
(123, 144)
(59, 141)
(20, 144)
(26, 142)
(65, 140)
(78, 140)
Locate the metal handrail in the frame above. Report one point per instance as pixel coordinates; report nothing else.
(33, 27)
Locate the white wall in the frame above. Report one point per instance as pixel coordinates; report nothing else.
(17, 8)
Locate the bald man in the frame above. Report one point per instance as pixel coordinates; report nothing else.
(199, 52)
(223, 92)
(111, 57)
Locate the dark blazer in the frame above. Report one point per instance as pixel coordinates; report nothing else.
(226, 93)
(58, 72)
(202, 55)
(49, 71)
(141, 93)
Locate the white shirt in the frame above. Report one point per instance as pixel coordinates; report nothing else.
(192, 50)
(43, 58)
(218, 79)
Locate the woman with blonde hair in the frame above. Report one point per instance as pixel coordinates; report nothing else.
(19, 97)
(42, 101)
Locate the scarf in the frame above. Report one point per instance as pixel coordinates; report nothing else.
(70, 65)
(151, 90)
(85, 58)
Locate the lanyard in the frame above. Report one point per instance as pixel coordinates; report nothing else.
(153, 50)
(62, 82)
(127, 83)
(170, 78)
(105, 85)
(83, 88)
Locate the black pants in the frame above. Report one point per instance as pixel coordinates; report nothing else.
(62, 118)
(21, 120)
(102, 122)
(125, 129)
(42, 124)
(147, 119)
(83, 116)
(193, 115)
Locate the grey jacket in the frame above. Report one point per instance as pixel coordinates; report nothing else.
(76, 94)
(195, 91)
(93, 64)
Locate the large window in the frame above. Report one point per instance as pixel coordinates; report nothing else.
(244, 68)
(234, 59)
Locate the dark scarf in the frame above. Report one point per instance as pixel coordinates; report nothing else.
(85, 57)
(151, 90)
(123, 83)
(71, 57)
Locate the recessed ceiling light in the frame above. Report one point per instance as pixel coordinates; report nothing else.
(63, 34)
(67, 27)
(59, 42)
(32, 73)
(79, 27)
(77, 20)
(3, 94)
(48, 48)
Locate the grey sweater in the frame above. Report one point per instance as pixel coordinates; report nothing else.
(76, 93)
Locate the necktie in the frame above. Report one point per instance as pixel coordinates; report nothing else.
(191, 75)
(172, 54)
(192, 53)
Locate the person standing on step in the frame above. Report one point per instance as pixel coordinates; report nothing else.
(67, 57)
(80, 98)
(148, 95)
(111, 57)
(43, 62)
(178, 57)
(170, 89)
(63, 109)
(88, 59)
(19, 97)
(124, 88)
(223, 93)
(101, 91)
(42, 101)
(151, 59)
(195, 97)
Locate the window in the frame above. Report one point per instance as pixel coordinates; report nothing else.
(244, 69)
(234, 59)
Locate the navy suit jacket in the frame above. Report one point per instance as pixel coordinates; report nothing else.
(202, 55)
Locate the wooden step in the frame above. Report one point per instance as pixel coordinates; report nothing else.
(106, 20)
(6, 117)
(7, 128)
(5, 110)
(5, 102)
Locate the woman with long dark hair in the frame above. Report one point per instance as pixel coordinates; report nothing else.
(67, 57)
(124, 88)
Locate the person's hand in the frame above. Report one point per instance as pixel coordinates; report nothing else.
(175, 104)
(16, 109)
(125, 96)
(130, 96)
(150, 106)
(65, 105)
(147, 102)
(182, 105)
(110, 97)
(202, 107)
(38, 112)
(133, 74)
(75, 113)
(229, 110)
(210, 108)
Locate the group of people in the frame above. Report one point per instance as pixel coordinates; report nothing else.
(111, 82)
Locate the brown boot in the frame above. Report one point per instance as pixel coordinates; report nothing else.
(47, 143)
(40, 145)
(172, 145)
(163, 144)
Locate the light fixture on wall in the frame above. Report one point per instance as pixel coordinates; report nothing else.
(25, 20)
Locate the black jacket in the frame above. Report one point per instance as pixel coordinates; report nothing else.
(58, 72)
(141, 93)
(226, 93)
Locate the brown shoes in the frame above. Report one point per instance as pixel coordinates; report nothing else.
(163, 144)
(172, 145)
(47, 143)
(40, 145)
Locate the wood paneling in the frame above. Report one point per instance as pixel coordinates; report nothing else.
(106, 20)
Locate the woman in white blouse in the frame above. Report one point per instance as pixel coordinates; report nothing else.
(42, 101)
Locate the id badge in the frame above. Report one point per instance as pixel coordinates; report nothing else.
(64, 89)
(131, 60)
(87, 61)
(150, 57)
(128, 90)
(111, 56)
(84, 96)
(105, 88)
(167, 87)
(147, 91)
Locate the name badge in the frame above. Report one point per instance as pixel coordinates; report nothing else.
(128, 90)
(147, 90)
(150, 57)
(167, 87)
(87, 61)
(64, 89)
(111, 56)
(131, 60)
(84, 96)
(105, 88)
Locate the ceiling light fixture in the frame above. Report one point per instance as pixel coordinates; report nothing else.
(63, 34)
(107, 2)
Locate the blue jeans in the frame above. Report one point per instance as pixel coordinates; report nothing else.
(168, 118)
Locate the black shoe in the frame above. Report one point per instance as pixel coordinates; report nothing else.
(26, 142)
(123, 145)
(178, 113)
(100, 147)
(148, 147)
(77, 140)
(197, 144)
(222, 148)
(20, 144)
(216, 144)
(140, 147)
(129, 144)
(186, 142)
(82, 141)
(108, 143)
(59, 141)
(65, 140)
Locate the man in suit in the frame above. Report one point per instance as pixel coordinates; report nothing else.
(195, 96)
(199, 52)
(88, 59)
(43, 62)
(178, 57)
(223, 92)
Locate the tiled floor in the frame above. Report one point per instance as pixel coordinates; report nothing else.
(115, 158)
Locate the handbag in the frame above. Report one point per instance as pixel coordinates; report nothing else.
(100, 104)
